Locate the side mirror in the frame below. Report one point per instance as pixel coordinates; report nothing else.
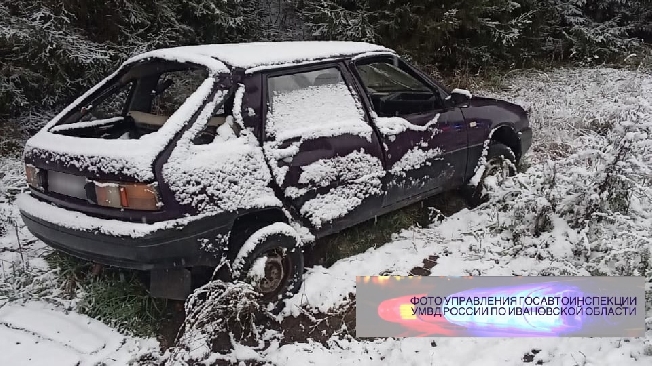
(459, 96)
(162, 86)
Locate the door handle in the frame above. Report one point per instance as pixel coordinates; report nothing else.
(458, 126)
(289, 142)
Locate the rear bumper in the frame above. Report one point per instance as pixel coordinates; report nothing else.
(162, 247)
(525, 136)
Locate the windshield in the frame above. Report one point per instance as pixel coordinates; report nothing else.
(137, 103)
(386, 78)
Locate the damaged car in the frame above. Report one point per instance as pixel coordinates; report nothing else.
(237, 156)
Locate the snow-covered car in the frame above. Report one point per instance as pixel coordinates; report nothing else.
(241, 154)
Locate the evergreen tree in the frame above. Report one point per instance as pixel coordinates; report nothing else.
(51, 50)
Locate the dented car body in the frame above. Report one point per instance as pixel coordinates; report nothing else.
(167, 164)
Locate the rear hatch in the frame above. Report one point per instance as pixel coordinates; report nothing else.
(99, 155)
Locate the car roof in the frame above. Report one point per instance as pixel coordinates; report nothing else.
(261, 54)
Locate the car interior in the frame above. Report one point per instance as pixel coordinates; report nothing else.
(394, 92)
(134, 107)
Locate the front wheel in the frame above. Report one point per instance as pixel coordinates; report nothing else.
(500, 163)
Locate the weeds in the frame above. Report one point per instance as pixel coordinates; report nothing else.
(217, 313)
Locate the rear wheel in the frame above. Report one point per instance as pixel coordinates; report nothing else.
(499, 165)
(274, 267)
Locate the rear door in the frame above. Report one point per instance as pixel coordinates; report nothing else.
(425, 141)
(320, 145)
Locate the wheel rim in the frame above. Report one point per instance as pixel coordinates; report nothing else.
(278, 267)
(498, 167)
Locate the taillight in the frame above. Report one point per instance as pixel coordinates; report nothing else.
(133, 196)
(34, 177)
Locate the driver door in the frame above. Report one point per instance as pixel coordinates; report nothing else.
(424, 139)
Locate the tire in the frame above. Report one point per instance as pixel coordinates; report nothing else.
(283, 268)
(500, 159)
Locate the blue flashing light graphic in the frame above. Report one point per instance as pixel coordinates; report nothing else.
(536, 319)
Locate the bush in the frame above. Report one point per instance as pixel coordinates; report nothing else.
(218, 313)
(597, 196)
(53, 50)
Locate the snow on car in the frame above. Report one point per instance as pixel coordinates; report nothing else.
(178, 159)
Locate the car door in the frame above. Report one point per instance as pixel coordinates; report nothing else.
(322, 150)
(424, 139)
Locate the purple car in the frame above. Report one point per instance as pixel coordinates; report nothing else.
(238, 155)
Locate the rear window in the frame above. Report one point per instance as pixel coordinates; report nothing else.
(138, 103)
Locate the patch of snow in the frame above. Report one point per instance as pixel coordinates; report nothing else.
(449, 352)
(237, 105)
(462, 92)
(226, 131)
(356, 165)
(294, 192)
(262, 68)
(360, 174)
(413, 159)
(395, 125)
(479, 169)
(372, 54)
(340, 200)
(328, 108)
(181, 55)
(36, 333)
(97, 122)
(253, 54)
(257, 271)
(304, 233)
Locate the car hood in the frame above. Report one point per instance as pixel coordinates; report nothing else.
(496, 110)
(485, 101)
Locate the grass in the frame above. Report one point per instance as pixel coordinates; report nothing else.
(115, 296)
(122, 301)
(368, 234)
(373, 233)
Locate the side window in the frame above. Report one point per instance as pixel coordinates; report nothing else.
(307, 101)
(174, 88)
(109, 105)
(396, 92)
(221, 126)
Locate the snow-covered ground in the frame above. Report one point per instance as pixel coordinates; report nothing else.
(37, 333)
(37, 325)
(584, 207)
